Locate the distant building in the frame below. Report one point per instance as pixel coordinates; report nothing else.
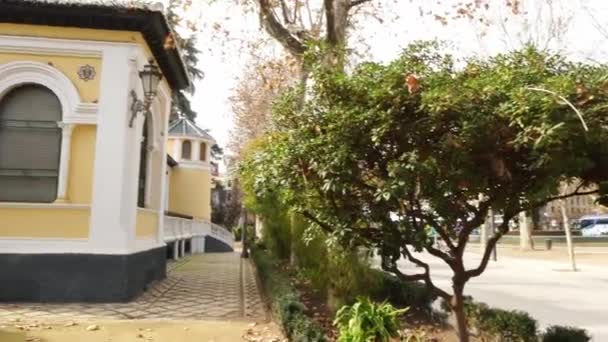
(190, 147)
(577, 206)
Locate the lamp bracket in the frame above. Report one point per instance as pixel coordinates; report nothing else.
(137, 106)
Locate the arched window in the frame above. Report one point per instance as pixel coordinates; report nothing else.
(30, 144)
(203, 155)
(186, 150)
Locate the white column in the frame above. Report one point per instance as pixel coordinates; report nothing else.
(114, 201)
(64, 160)
(525, 239)
(175, 249)
(182, 248)
(165, 99)
(196, 150)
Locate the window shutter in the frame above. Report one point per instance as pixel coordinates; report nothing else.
(186, 150)
(30, 145)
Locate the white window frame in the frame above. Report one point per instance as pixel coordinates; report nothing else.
(73, 111)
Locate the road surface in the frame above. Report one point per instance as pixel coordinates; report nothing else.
(543, 288)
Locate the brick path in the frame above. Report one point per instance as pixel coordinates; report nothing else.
(204, 286)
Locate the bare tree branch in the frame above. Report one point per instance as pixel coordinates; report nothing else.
(554, 198)
(480, 216)
(285, 12)
(277, 30)
(427, 273)
(504, 227)
(320, 223)
(355, 3)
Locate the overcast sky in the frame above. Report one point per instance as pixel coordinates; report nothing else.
(222, 60)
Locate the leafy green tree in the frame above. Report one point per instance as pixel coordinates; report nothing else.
(190, 52)
(388, 155)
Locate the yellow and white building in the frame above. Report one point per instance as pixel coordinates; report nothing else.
(84, 177)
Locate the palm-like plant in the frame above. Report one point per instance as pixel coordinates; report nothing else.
(366, 321)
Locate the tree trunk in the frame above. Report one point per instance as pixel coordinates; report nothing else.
(457, 304)
(293, 257)
(568, 235)
(243, 225)
(484, 232)
(490, 231)
(525, 236)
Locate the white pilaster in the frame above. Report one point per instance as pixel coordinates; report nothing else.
(64, 160)
(196, 150)
(182, 248)
(164, 99)
(113, 211)
(176, 250)
(177, 149)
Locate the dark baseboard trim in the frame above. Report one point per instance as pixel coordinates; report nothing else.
(213, 245)
(79, 277)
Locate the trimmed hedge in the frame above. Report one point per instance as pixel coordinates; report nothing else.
(285, 301)
(501, 325)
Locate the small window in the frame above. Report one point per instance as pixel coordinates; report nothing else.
(186, 150)
(203, 155)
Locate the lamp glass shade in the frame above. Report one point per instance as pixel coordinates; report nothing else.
(150, 78)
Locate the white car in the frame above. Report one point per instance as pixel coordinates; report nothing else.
(595, 230)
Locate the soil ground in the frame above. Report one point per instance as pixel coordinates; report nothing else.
(142, 330)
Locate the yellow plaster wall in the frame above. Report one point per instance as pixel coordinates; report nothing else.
(170, 143)
(146, 223)
(82, 160)
(76, 33)
(44, 222)
(190, 192)
(68, 65)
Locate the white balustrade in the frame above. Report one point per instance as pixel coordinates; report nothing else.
(179, 229)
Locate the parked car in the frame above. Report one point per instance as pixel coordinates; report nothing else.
(593, 225)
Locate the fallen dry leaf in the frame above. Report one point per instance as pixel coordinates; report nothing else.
(93, 327)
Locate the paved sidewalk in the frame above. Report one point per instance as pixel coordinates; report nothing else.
(543, 288)
(200, 287)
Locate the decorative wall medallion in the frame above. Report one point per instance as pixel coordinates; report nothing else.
(86, 72)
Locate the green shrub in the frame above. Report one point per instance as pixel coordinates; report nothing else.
(390, 288)
(565, 334)
(285, 300)
(366, 321)
(514, 326)
(237, 232)
(503, 325)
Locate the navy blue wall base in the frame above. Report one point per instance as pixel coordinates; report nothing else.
(213, 245)
(79, 277)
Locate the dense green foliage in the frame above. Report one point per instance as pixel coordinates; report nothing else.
(387, 287)
(189, 51)
(384, 154)
(565, 334)
(285, 301)
(364, 146)
(366, 321)
(492, 324)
